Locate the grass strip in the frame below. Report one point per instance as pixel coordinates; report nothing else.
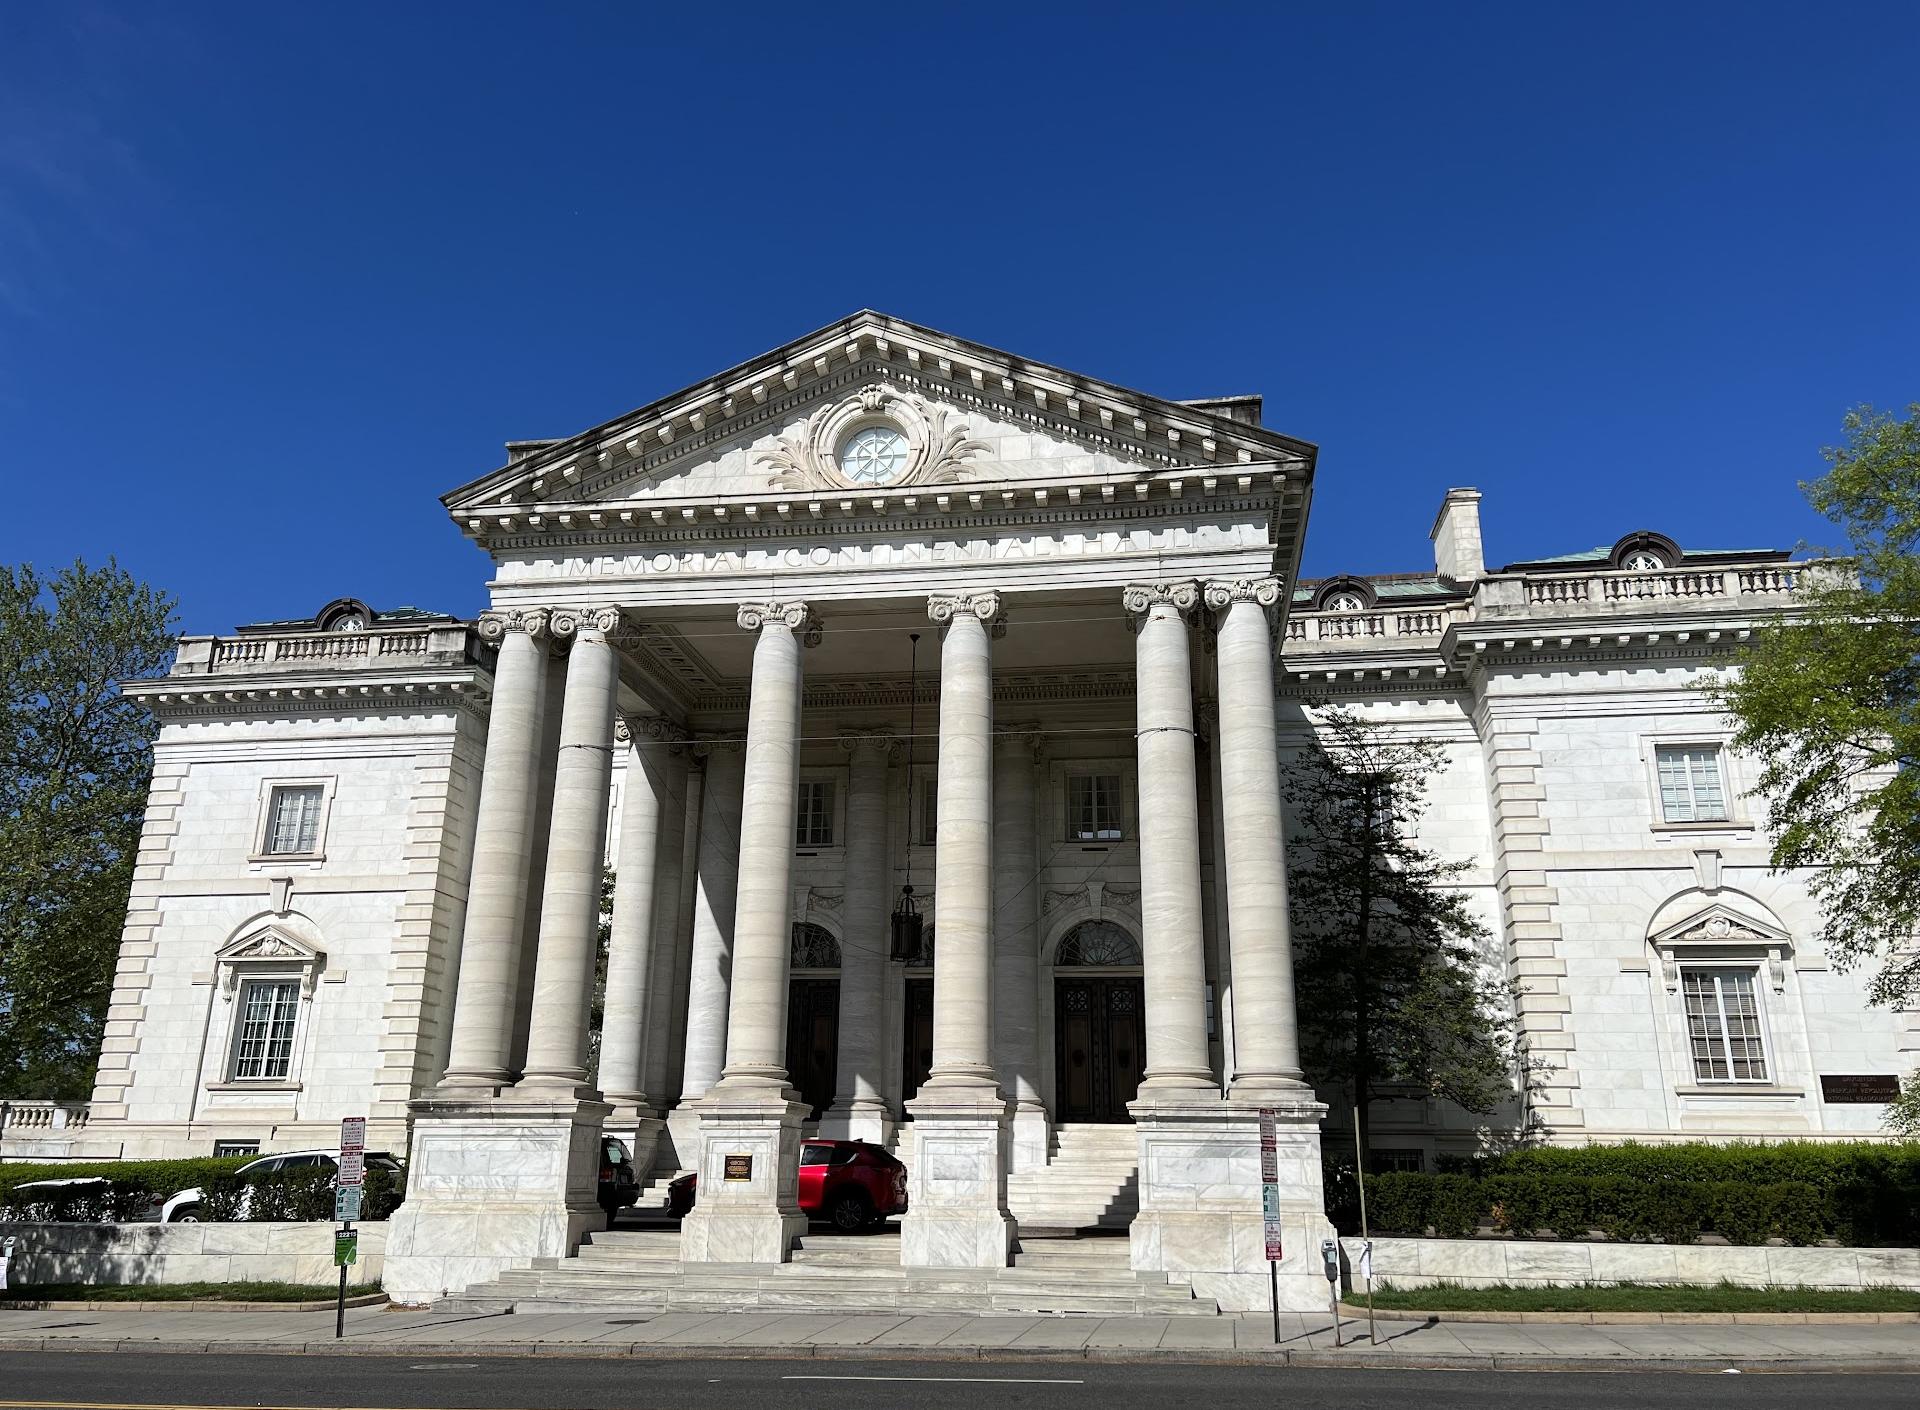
(1636, 1297)
(183, 1292)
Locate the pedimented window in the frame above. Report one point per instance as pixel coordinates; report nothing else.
(1721, 935)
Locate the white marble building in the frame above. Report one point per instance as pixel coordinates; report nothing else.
(370, 877)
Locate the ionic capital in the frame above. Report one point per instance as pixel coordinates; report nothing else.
(1020, 734)
(533, 621)
(570, 621)
(943, 608)
(1183, 595)
(1222, 593)
(650, 729)
(704, 745)
(852, 741)
(796, 617)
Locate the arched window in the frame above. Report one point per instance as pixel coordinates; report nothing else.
(814, 947)
(1643, 560)
(1346, 602)
(1098, 942)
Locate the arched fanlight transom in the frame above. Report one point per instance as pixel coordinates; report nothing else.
(814, 947)
(1098, 942)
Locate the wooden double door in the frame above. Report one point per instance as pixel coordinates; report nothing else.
(1099, 1046)
(813, 1039)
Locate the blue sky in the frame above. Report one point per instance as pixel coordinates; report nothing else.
(273, 277)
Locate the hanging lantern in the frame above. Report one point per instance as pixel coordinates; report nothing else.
(908, 924)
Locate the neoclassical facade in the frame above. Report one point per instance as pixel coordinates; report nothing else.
(929, 707)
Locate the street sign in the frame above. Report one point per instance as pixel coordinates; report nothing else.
(1270, 1185)
(353, 1152)
(346, 1203)
(346, 1247)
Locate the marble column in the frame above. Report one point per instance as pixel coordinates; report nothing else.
(576, 859)
(1016, 943)
(1266, 1026)
(1174, 948)
(749, 1208)
(957, 1210)
(646, 867)
(487, 992)
(859, 1110)
(710, 952)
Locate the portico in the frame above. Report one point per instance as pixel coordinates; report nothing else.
(709, 608)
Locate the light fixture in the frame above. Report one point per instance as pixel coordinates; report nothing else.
(908, 923)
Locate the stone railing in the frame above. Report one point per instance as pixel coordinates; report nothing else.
(1340, 628)
(1762, 587)
(443, 643)
(37, 1117)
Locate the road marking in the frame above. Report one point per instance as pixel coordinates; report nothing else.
(941, 1380)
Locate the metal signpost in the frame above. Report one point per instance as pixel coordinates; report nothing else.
(1270, 1210)
(348, 1185)
(1366, 1238)
(6, 1257)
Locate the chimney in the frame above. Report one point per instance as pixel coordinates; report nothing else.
(1456, 538)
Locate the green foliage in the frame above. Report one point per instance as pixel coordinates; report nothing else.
(1903, 1113)
(132, 1189)
(1802, 1192)
(1827, 698)
(296, 1195)
(1384, 940)
(75, 758)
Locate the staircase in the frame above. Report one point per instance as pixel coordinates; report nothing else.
(640, 1271)
(1091, 1181)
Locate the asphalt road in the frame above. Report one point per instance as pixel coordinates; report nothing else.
(110, 1381)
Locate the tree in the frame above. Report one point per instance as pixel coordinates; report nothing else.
(1384, 940)
(75, 758)
(1827, 697)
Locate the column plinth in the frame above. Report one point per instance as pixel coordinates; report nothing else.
(957, 1207)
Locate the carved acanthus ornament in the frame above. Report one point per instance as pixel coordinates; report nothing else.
(937, 448)
(796, 617)
(943, 608)
(651, 730)
(852, 741)
(1182, 595)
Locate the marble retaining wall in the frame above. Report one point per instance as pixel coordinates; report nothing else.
(1419, 1263)
(185, 1253)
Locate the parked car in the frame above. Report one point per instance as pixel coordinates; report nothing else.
(186, 1207)
(848, 1184)
(619, 1184)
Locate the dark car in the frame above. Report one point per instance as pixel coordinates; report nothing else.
(848, 1184)
(619, 1186)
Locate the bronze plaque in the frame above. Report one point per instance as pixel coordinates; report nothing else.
(738, 1167)
(1858, 1089)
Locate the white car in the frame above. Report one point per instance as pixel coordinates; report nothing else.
(185, 1207)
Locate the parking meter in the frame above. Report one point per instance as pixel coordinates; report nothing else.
(1330, 1265)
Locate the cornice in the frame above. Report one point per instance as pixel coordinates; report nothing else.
(234, 698)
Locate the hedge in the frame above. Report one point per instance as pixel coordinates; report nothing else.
(135, 1186)
(132, 1189)
(1856, 1193)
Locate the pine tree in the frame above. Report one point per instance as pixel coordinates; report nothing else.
(1387, 951)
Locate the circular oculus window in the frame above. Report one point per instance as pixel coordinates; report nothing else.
(874, 455)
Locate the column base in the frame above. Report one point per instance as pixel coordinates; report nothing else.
(957, 1192)
(1201, 1222)
(679, 1146)
(857, 1121)
(1028, 1138)
(751, 1213)
(492, 1184)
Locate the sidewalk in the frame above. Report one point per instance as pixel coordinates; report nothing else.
(1305, 1340)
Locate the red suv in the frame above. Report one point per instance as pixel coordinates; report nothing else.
(849, 1184)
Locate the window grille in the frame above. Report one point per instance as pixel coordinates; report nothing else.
(1097, 942)
(813, 947)
(1093, 807)
(1692, 787)
(815, 827)
(263, 1048)
(293, 820)
(1723, 1025)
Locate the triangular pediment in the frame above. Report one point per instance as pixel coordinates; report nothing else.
(1720, 924)
(270, 943)
(967, 414)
